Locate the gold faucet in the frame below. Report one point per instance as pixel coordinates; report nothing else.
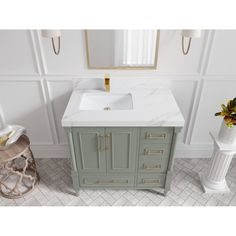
(107, 82)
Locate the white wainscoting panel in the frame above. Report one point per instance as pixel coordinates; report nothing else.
(35, 84)
(16, 53)
(214, 93)
(59, 93)
(223, 53)
(71, 57)
(23, 103)
(184, 93)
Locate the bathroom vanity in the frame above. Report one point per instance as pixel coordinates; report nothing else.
(122, 139)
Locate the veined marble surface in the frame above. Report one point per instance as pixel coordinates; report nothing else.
(151, 107)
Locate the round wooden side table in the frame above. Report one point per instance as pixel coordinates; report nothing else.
(18, 173)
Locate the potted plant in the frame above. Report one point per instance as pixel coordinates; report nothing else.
(227, 133)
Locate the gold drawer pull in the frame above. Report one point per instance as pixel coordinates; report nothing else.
(155, 136)
(100, 142)
(111, 181)
(148, 152)
(155, 167)
(151, 181)
(105, 181)
(107, 141)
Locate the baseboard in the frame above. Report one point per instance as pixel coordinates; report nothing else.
(51, 151)
(193, 151)
(182, 151)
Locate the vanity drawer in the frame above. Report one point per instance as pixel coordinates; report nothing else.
(151, 180)
(154, 151)
(156, 135)
(106, 181)
(156, 166)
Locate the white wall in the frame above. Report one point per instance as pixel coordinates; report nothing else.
(35, 84)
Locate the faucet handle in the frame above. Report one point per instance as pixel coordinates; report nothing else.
(106, 76)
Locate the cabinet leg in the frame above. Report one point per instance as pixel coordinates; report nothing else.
(168, 182)
(75, 181)
(165, 192)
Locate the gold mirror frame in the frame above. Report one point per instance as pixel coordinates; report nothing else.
(123, 67)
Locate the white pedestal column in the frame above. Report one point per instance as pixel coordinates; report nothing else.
(214, 179)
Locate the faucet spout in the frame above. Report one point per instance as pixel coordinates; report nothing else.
(107, 83)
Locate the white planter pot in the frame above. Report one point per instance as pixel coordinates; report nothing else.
(227, 135)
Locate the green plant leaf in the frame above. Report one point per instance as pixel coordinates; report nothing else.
(233, 116)
(228, 112)
(229, 105)
(224, 108)
(233, 109)
(234, 101)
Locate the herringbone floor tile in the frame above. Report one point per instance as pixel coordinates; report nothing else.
(55, 189)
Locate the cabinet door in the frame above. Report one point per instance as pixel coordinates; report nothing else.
(89, 149)
(121, 149)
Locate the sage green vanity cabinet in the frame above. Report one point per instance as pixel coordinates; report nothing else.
(122, 150)
(101, 150)
(122, 157)
(88, 151)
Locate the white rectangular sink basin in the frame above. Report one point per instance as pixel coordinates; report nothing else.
(106, 101)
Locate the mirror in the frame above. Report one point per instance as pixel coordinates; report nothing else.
(122, 49)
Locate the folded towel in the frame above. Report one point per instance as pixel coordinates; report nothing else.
(5, 130)
(18, 131)
(10, 135)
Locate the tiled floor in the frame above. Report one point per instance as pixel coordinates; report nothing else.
(55, 189)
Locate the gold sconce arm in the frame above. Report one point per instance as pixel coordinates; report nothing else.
(59, 45)
(189, 35)
(53, 34)
(185, 52)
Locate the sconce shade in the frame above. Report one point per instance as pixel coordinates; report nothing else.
(51, 33)
(191, 33)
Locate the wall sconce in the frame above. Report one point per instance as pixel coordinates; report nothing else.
(189, 34)
(53, 34)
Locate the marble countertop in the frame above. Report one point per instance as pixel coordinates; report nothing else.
(155, 107)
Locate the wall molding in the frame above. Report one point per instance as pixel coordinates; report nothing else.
(43, 77)
(203, 68)
(40, 52)
(50, 114)
(188, 122)
(44, 102)
(207, 53)
(188, 150)
(194, 111)
(35, 50)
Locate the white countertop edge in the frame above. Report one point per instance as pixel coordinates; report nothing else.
(121, 124)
